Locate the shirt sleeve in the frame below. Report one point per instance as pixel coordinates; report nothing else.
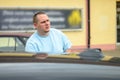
(66, 42)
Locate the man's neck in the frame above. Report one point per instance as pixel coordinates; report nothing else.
(43, 33)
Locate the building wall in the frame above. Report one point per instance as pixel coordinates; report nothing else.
(103, 19)
(103, 23)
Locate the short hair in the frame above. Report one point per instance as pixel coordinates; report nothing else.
(37, 13)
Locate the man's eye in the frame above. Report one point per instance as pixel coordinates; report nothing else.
(47, 20)
(43, 22)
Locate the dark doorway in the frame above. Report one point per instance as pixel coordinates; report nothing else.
(118, 22)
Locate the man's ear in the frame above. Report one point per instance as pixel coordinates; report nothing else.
(35, 25)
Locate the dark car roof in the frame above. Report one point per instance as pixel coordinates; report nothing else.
(57, 71)
(23, 34)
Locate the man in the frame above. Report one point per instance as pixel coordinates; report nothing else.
(46, 39)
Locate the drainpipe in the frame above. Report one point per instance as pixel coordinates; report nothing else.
(88, 22)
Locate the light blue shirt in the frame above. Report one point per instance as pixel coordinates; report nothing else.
(55, 43)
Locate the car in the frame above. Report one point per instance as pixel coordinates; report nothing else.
(23, 66)
(15, 64)
(13, 41)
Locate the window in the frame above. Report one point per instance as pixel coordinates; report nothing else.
(11, 44)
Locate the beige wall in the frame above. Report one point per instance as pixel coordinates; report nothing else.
(103, 22)
(117, 0)
(43, 3)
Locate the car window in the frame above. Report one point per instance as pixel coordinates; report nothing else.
(11, 44)
(23, 39)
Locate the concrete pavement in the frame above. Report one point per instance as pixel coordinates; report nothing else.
(115, 53)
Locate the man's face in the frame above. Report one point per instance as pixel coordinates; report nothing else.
(43, 23)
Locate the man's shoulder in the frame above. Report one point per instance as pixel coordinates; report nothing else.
(33, 36)
(55, 30)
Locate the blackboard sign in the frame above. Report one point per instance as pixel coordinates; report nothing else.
(21, 19)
